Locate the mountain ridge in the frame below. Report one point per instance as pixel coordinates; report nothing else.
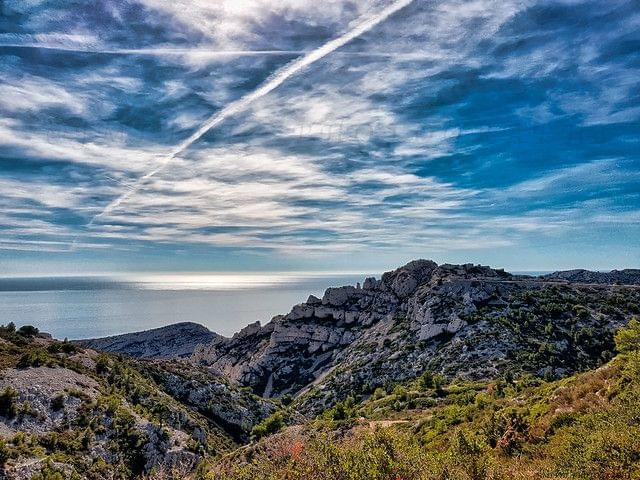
(177, 340)
(469, 320)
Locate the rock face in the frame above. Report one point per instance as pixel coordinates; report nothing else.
(38, 386)
(234, 410)
(173, 341)
(466, 320)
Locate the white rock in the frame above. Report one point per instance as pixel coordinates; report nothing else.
(428, 331)
(455, 325)
(328, 312)
(301, 311)
(404, 285)
(313, 300)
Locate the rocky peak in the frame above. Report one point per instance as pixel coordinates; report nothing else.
(404, 280)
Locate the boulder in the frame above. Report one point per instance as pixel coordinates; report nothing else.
(300, 311)
(338, 296)
(430, 330)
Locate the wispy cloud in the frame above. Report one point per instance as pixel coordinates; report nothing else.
(376, 128)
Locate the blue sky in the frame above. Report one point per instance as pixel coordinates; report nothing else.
(344, 135)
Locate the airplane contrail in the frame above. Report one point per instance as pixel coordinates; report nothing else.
(273, 82)
(205, 52)
(159, 51)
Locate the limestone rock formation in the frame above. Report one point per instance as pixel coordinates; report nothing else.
(468, 320)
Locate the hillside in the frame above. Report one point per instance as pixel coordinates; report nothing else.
(95, 415)
(174, 341)
(581, 427)
(430, 372)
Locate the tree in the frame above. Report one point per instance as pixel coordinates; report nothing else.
(628, 339)
(628, 344)
(8, 402)
(28, 331)
(270, 425)
(426, 380)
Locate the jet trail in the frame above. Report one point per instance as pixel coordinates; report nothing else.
(273, 82)
(152, 51)
(206, 52)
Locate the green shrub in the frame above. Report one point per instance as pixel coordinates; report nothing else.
(33, 359)
(270, 425)
(628, 339)
(50, 473)
(28, 331)
(8, 402)
(426, 380)
(57, 402)
(62, 347)
(379, 393)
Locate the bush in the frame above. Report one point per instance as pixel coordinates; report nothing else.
(49, 473)
(28, 331)
(270, 425)
(9, 402)
(32, 359)
(4, 453)
(426, 380)
(62, 347)
(628, 339)
(439, 381)
(628, 343)
(379, 393)
(57, 402)
(341, 411)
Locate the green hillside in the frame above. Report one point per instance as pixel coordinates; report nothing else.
(586, 426)
(69, 412)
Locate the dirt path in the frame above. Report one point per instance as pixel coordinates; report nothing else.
(385, 423)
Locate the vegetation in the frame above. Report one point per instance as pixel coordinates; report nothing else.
(268, 426)
(8, 402)
(128, 416)
(582, 427)
(522, 426)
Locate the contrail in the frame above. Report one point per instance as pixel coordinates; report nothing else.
(152, 51)
(273, 82)
(204, 52)
(80, 44)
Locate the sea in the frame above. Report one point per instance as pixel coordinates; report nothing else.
(98, 306)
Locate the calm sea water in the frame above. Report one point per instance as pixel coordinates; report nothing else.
(86, 307)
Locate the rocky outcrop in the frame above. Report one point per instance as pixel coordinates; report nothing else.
(37, 388)
(620, 277)
(467, 320)
(173, 341)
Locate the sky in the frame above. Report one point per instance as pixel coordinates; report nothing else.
(253, 135)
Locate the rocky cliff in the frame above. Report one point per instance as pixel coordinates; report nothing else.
(460, 320)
